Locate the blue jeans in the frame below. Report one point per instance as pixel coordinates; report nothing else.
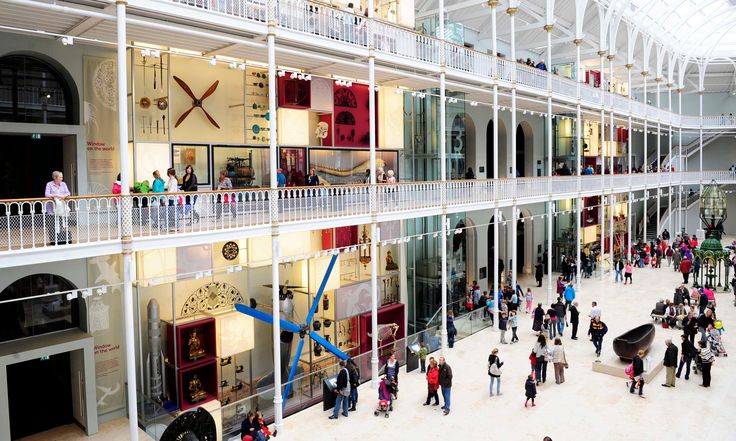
(353, 396)
(560, 326)
(619, 276)
(496, 380)
(552, 329)
(446, 397)
(340, 400)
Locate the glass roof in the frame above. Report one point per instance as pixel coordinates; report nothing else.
(699, 28)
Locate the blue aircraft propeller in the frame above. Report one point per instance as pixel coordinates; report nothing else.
(302, 330)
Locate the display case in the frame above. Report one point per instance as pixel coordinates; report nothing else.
(183, 339)
(200, 379)
(257, 116)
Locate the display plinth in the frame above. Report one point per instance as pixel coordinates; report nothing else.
(207, 374)
(178, 338)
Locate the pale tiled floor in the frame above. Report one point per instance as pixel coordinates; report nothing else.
(115, 430)
(588, 405)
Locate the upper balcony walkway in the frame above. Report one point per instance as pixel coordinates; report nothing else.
(311, 23)
(32, 231)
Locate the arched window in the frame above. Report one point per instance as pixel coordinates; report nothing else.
(33, 91)
(26, 318)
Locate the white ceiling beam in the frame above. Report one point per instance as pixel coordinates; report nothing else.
(452, 8)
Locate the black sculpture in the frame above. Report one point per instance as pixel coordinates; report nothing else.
(197, 425)
(629, 343)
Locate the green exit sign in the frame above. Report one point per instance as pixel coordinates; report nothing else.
(35, 136)
(44, 358)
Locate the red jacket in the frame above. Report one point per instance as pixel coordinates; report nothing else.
(685, 266)
(433, 379)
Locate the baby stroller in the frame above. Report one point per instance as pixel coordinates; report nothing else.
(716, 344)
(386, 391)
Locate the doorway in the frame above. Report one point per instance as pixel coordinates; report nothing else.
(39, 395)
(26, 163)
(520, 247)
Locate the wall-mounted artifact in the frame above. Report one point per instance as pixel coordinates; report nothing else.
(390, 264)
(365, 249)
(196, 102)
(230, 250)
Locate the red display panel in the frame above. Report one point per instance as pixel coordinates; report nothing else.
(206, 333)
(327, 118)
(294, 93)
(389, 314)
(351, 116)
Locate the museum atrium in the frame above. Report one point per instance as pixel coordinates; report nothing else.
(499, 144)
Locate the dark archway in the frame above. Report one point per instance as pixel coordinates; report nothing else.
(520, 152)
(520, 247)
(501, 149)
(26, 318)
(499, 265)
(36, 90)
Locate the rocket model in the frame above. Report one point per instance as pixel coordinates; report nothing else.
(155, 358)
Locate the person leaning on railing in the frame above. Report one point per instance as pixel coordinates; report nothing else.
(57, 212)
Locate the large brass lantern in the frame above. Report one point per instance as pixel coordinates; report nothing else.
(712, 209)
(365, 249)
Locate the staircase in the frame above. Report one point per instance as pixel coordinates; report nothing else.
(687, 150)
(664, 214)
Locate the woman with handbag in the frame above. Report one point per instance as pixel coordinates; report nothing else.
(540, 352)
(494, 371)
(560, 361)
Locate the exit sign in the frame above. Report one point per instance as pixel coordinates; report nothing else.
(44, 358)
(35, 136)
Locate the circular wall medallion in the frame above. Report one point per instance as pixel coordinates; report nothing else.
(230, 250)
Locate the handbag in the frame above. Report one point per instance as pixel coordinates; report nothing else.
(60, 208)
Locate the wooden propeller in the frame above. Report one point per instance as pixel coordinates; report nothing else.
(196, 102)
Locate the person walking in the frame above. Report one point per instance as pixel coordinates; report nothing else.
(422, 353)
(690, 326)
(670, 363)
(538, 318)
(539, 272)
(628, 271)
(569, 295)
(445, 382)
(433, 382)
(514, 324)
(529, 300)
(560, 361)
(343, 391)
(502, 325)
(637, 365)
(561, 312)
(685, 267)
(706, 362)
(354, 378)
(494, 371)
(597, 330)
(574, 320)
(451, 329)
(530, 390)
(619, 266)
(540, 352)
(687, 355)
(189, 184)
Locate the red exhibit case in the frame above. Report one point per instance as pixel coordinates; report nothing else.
(206, 372)
(180, 336)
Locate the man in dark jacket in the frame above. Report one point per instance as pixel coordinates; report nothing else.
(702, 302)
(690, 327)
(597, 330)
(560, 312)
(687, 356)
(574, 319)
(539, 272)
(445, 380)
(342, 390)
(670, 363)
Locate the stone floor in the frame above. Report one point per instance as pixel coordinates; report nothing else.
(115, 430)
(588, 405)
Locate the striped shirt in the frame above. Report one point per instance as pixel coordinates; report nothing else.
(706, 355)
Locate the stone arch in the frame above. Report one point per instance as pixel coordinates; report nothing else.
(501, 148)
(524, 149)
(461, 145)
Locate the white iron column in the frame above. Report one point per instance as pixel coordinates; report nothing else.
(700, 136)
(127, 220)
(578, 165)
(493, 4)
(611, 205)
(273, 199)
(611, 163)
(374, 195)
(680, 165)
(514, 165)
(645, 161)
(670, 162)
(659, 156)
(548, 27)
(443, 172)
(628, 167)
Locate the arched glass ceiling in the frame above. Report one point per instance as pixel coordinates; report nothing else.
(697, 28)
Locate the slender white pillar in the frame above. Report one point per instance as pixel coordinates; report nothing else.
(273, 199)
(670, 162)
(443, 172)
(494, 45)
(659, 157)
(700, 113)
(680, 165)
(629, 167)
(375, 233)
(550, 296)
(579, 164)
(645, 161)
(514, 257)
(127, 220)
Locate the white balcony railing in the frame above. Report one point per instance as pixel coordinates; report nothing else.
(322, 20)
(33, 224)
